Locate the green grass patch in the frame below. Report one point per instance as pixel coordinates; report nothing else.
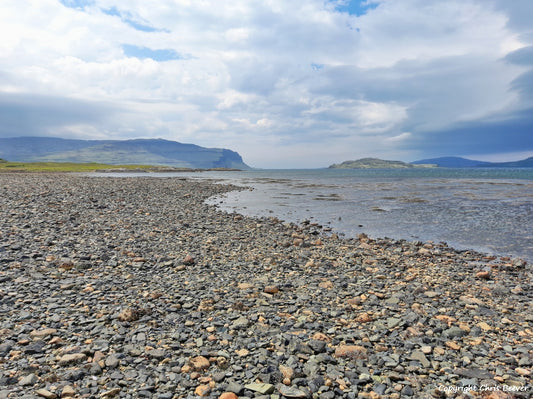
(6, 166)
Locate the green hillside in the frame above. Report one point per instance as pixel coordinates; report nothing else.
(375, 163)
(119, 152)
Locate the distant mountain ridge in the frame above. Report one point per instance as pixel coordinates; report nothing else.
(115, 152)
(443, 162)
(375, 163)
(458, 162)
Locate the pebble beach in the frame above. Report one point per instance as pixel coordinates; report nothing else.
(133, 287)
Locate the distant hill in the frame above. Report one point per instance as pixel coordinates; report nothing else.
(458, 162)
(116, 152)
(375, 163)
(524, 163)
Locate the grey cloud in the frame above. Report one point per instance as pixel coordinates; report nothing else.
(512, 134)
(25, 114)
(434, 92)
(524, 83)
(523, 56)
(519, 12)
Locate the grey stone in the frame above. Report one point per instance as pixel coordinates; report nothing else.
(29, 380)
(421, 357)
(455, 332)
(240, 323)
(291, 392)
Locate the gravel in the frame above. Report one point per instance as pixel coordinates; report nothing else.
(135, 288)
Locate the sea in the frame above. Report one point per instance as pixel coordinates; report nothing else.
(489, 210)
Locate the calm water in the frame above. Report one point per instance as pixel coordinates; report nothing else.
(489, 210)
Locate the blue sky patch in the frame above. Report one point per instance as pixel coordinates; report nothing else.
(157, 55)
(128, 18)
(80, 4)
(354, 7)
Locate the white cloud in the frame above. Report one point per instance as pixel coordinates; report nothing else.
(279, 75)
(401, 137)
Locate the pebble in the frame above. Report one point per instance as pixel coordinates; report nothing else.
(421, 357)
(351, 351)
(72, 358)
(262, 388)
(44, 393)
(202, 390)
(135, 287)
(68, 392)
(291, 392)
(28, 380)
(199, 363)
(41, 334)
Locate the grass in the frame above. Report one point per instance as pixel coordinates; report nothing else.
(6, 166)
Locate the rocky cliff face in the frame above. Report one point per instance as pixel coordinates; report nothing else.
(141, 151)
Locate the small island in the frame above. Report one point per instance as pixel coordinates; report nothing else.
(375, 163)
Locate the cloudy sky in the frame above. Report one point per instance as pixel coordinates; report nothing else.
(299, 83)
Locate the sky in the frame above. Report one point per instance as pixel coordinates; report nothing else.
(287, 84)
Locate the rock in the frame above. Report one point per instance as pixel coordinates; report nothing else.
(70, 358)
(393, 322)
(29, 380)
(455, 332)
(484, 275)
(242, 352)
(199, 363)
(363, 318)
(421, 357)
(317, 346)
(474, 373)
(484, 326)
(189, 260)
(240, 323)
(321, 337)
(41, 334)
(156, 354)
(68, 392)
(291, 392)
(45, 394)
(6, 347)
(453, 345)
(519, 263)
(245, 286)
(112, 361)
(271, 289)
(287, 373)
(351, 351)
(260, 387)
(234, 387)
(110, 393)
(129, 315)
(228, 395)
(202, 390)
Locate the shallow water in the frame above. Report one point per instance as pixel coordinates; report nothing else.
(489, 210)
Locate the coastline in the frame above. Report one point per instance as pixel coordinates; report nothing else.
(134, 286)
(467, 209)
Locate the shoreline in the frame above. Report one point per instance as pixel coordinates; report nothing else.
(392, 214)
(133, 286)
